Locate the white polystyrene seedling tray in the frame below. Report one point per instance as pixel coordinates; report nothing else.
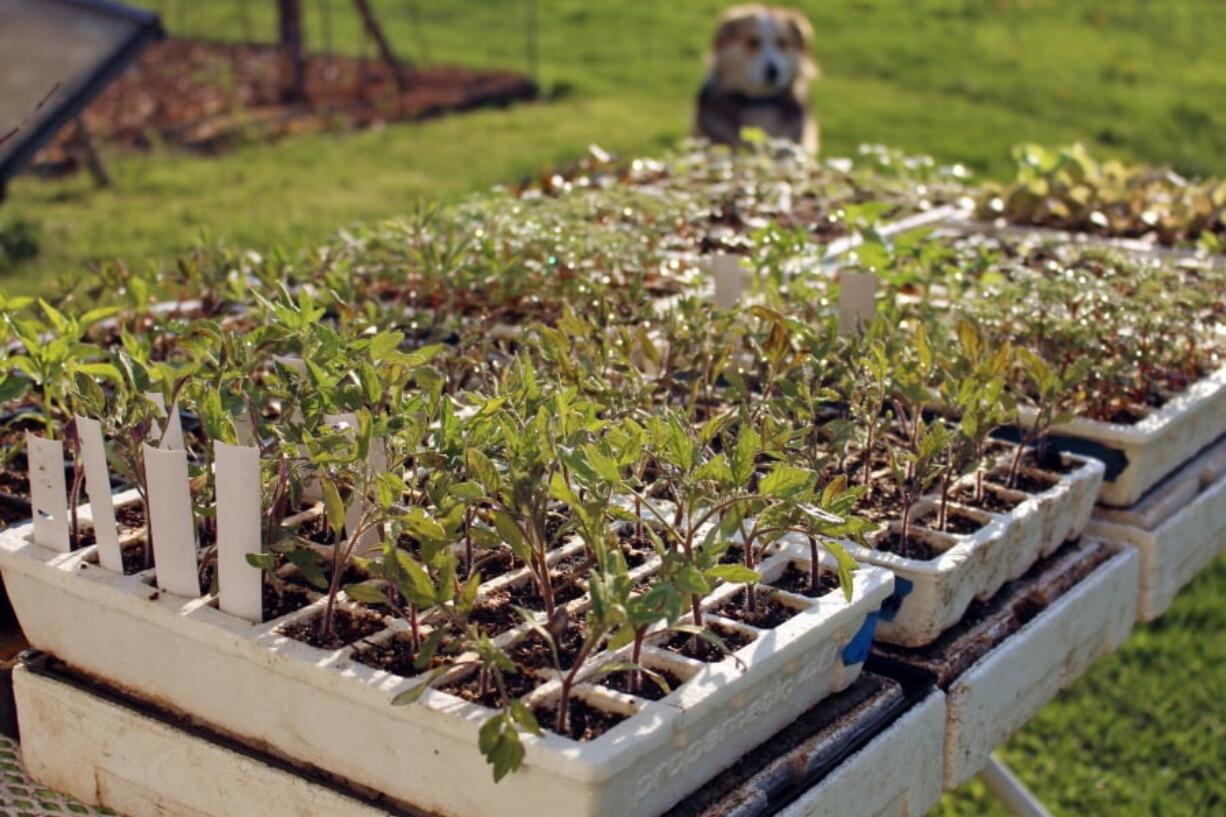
(326, 710)
(966, 222)
(1165, 438)
(931, 596)
(107, 763)
(1007, 687)
(1178, 528)
(1158, 444)
(896, 774)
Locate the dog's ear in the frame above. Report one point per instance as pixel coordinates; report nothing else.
(801, 31)
(728, 28)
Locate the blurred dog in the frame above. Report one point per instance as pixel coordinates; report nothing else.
(760, 68)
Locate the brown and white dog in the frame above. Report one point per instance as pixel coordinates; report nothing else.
(759, 75)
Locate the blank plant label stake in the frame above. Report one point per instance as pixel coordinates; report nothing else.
(857, 300)
(48, 492)
(98, 485)
(172, 434)
(238, 530)
(171, 523)
(729, 280)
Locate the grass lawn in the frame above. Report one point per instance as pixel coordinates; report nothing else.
(1145, 733)
(961, 79)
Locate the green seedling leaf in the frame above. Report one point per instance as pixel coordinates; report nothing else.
(424, 528)
(785, 481)
(428, 649)
(522, 715)
(510, 533)
(737, 574)
(483, 470)
(367, 594)
(413, 693)
(690, 579)
(263, 561)
(467, 491)
(416, 586)
(499, 742)
(310, 564)
(846, 565)
(334, 507)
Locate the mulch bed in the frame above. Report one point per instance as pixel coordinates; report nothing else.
(955, 522)
(496, 614)
(534, 653)
(207, 96)
(992, 501)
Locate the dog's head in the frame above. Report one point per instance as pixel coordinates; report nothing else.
(762, 51)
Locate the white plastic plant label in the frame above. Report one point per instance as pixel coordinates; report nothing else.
(729, 280)
(98, 486)
(171, 523)
(857, 300)
(48, 492)
(172, 434)
(238, 530)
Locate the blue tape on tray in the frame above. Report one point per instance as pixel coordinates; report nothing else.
(902, 588)
(857, 649)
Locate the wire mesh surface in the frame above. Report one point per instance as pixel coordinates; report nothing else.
(22, 797)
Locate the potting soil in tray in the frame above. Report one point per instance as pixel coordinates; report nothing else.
(649, 688)
(13, 512)
(586, 722)
(987, 624)
(796, 579)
